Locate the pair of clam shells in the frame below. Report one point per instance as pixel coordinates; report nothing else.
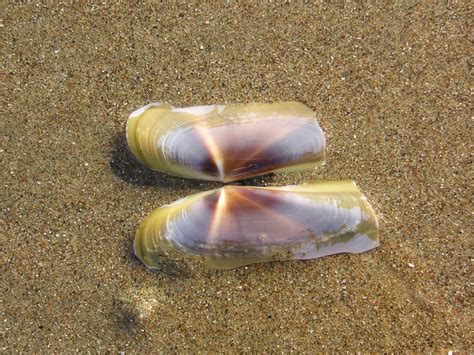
(236, 225)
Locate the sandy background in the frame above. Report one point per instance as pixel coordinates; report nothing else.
(390, 88)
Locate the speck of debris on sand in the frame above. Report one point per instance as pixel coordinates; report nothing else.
(389, 84)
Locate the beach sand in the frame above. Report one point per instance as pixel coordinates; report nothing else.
(390, 88)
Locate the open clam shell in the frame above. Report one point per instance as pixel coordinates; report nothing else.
(238, 225)
(226, 143)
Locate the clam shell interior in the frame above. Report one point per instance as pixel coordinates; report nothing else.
(226, 143)
(238, 225)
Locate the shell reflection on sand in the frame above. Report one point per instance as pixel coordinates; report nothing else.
(238, 225)
(226, 143)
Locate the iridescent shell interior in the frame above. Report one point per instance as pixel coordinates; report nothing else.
(226, 143)
(238, 225)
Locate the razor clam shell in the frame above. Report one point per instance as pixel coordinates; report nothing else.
(226, 143)
(240, 225)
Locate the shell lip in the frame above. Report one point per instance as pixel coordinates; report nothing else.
(195, 110)
(142, 109)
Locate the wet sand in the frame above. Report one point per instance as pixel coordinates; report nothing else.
(390, 88)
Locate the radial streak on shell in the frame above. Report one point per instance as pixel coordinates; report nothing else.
(214, 150)
(217, 218)
(267, 144)
(270, 213)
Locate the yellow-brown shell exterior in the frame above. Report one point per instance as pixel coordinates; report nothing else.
(226, 143)
(240, 225)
